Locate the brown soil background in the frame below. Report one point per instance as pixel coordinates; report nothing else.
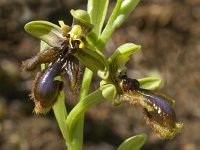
(169, 32)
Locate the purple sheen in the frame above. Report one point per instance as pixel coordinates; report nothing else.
(47, 88)
(163, 114)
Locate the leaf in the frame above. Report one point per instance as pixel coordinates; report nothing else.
(126, 8)
(45, 31)
(150, 83)
(121, 11)
(133, 143)
(97, 10)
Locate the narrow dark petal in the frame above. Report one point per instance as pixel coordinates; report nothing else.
(30, 64)
(72, 68)
(42, 57)
(48, 55)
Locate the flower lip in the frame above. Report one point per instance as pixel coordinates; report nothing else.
(158, 110)
(163, 112)
(45, 88)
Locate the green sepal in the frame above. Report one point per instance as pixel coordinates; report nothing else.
(82, 18)
(120, 57)
(94, 60)
(108, 91)
(45, 31)
(133, 143)
(150, 83)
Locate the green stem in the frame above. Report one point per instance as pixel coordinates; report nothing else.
(77, 139)
(89, 101)
(60, 113)
(87, 78)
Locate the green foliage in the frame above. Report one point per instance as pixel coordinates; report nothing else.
(121, 11)
(133, 143)
(85, 41)
(97, 11)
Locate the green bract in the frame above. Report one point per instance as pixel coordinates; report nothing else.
(94, 60)
(120, 57)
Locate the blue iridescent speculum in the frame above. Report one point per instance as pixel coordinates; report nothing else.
(158, 110)
(45, 89)
(67, 43)
(57, 60)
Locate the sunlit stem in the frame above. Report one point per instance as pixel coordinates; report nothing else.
(59, 108)
(77, 141)
(77, 112)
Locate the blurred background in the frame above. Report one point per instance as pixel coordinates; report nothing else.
(169, 32)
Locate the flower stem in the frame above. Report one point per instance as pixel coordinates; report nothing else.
(77, 141)
(60, 113)
(87, 78)
(89, 101)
